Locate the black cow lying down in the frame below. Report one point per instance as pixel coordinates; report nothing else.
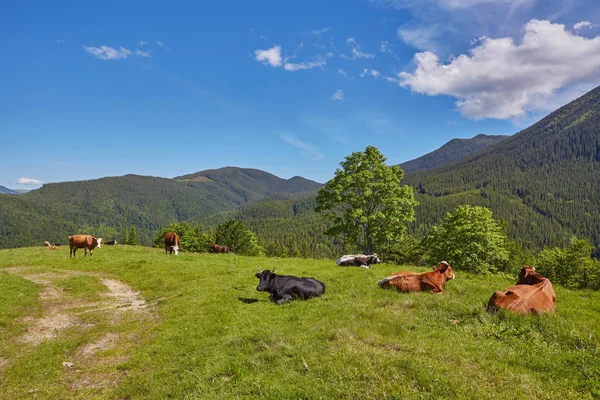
(284, 288)
(358, 260)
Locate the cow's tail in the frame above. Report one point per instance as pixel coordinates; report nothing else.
(384, 282)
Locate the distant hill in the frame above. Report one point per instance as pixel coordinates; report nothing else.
(5, 190)
(544, 181)
(451, 151)
(105, 206)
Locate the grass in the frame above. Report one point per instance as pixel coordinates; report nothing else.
(214, 336)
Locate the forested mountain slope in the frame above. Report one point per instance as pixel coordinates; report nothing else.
(544, 180)
(453, 150)
(105, 206)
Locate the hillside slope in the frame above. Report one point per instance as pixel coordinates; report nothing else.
(453, 150)
(105, 206)
(544, 180)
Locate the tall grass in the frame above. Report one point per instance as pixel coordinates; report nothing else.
(217, 337)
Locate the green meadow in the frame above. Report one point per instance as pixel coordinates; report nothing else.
(196, 328)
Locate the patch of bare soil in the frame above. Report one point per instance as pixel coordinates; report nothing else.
(89, 367)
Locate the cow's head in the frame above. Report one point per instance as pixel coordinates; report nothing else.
(266, 277)
(373, 259)
(175, 249)
(99, 240)
(446, 270)
(528, 276)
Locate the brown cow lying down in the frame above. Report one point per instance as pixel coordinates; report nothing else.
(84, 242)
(407, 281)
(533, 294)
(55, 248)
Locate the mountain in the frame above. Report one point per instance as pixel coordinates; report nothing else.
(451, 151)
(544, 181)
(105, 206)
(5, 190)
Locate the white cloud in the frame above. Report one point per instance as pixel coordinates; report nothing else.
(317, 32)
(370, 72)
(503, 79)
(448, 4)
(422, 38)
(142, 53)
(162, 45)
(307, 149)
(350, 40)
(338, 95)
(318, 62)
(583, 24)
(270, 56)
(28, 181)
(108, 53)
(359, 54)
(342, 72)
(144, 43)
(355, 50)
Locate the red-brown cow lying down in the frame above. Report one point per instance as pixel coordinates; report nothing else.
(407, 281)
(58, 248)
(533, 294)
(217, 248)
(84, 242)
(172, 243)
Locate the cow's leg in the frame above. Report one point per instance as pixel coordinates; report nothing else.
(285, 298)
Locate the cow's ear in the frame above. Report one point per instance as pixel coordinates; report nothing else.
(257, 275)
(443, 267)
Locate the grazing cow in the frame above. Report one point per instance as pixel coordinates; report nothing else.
(407, 281)
(286, 288)
(58, 248)
(217, 248)
(358, 260)
(85, 242)
(111, 242)
(172, 243)
(533, 294)
(46, 243)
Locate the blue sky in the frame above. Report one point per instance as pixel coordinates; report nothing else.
(93, 89)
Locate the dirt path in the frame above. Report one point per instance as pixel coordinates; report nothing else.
(106, 317)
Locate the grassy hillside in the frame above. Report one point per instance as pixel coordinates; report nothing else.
(103, 207)
(205, 332)
(451, 151)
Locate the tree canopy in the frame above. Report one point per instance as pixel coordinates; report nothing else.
(365, 201)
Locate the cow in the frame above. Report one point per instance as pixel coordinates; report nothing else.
(85, 242)
(46, 243)
(58, 244)
(111, 242)
(358, 260)
(216, 248)
(533, 294)
(58, 248)
(407, 281)
(283, 289)
(172, 243)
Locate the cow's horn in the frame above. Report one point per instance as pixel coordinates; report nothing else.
(259, 271)
(273, 271)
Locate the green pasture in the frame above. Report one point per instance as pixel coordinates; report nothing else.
(208, 334)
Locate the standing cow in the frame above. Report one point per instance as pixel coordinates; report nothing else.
(172, 243)
(85, 242)
(217, 248)
(286, 288)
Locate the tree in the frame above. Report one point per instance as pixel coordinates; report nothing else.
(125, 235)
(234, 235)
(469, 239)
(365, 201)
(132, 239)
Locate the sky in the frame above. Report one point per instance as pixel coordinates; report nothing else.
(94, 89)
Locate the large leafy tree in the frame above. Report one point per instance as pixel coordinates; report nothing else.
(366, 202)
(469, 239)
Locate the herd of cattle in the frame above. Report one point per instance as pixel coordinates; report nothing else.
(533, 294)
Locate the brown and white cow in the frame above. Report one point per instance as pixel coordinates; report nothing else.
(172, 243)
(85, 242)
(46, 243)
(533, 294)
(407, 281)
(217, 248)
